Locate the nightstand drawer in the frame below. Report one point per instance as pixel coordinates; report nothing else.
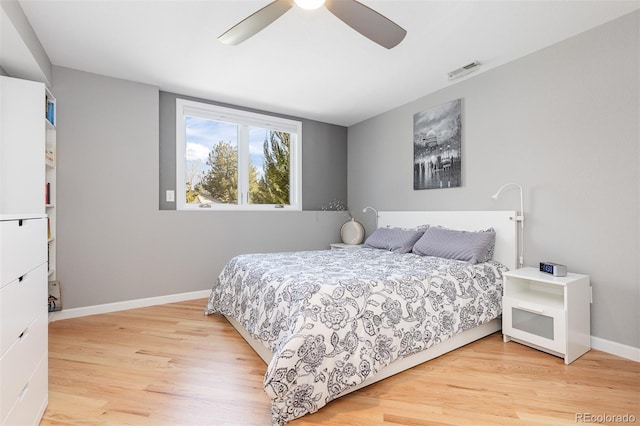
(23, 246)
(537, 324)
(20, 303)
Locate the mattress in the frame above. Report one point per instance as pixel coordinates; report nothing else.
(334, 318)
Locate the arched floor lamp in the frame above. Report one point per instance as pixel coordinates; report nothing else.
(519, 218)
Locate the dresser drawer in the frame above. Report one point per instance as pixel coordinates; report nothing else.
(29, 407)
(20, 303)
(18, 364)
(23, 246)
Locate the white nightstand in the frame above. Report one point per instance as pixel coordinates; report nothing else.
(342, 246)
(548, 313)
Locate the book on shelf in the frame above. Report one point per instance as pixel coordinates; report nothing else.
(55, 296)
(47, 193)
(51, 112)
(48, 228)
(50, 155)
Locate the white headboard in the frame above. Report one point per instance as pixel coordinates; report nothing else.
(506, 249)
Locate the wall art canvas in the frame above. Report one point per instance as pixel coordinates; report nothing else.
(437, 147)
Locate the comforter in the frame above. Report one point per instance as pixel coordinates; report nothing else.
(333, 318)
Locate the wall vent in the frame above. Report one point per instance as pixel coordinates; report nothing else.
(469, 68)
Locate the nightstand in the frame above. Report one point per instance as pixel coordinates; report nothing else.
(342, 246)
(548, 313)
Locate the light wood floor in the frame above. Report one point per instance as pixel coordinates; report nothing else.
(171, 365)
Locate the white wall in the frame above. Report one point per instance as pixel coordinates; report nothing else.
(114, 244)
(564, 123)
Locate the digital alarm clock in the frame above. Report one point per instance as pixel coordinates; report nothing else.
(554, 269)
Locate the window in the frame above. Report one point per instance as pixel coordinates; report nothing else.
(230, 159)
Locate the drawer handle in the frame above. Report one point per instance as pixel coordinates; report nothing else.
(23, 392)
(531, 308)
(23, 335)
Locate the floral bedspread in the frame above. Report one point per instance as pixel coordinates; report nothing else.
(333, 318)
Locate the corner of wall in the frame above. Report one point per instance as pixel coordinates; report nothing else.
(22, 53)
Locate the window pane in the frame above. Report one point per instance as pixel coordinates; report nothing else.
(229, 159)
(211, 161)
(269, 166)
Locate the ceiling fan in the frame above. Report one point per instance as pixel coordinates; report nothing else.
(361, 18)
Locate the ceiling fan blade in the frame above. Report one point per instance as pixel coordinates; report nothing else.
(367, 22)
(255, 22)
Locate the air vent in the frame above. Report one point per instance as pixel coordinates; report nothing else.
(469, 68)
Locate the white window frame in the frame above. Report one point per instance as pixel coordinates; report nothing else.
(244, 119)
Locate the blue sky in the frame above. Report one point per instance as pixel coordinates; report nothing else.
(203, 134)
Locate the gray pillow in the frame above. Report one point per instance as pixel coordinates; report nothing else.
(489, 255)
(393, 239)
(472, 247)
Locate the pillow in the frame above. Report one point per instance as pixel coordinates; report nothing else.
(492, 247)
(472, 247)
(489, 255)
(393, 239)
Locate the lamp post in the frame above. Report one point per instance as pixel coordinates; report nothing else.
(519, 218)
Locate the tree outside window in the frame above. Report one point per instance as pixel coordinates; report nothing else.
(225, 162)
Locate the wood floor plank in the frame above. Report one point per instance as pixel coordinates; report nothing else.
(170, 365)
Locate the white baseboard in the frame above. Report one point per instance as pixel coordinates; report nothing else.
(614, 348)
(597, 343)
(128, 304)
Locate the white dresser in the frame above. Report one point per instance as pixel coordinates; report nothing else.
(23, 320)
(23, 254)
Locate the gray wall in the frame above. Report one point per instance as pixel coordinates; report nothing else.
(114, 244)
(324, 155)
(564, 123)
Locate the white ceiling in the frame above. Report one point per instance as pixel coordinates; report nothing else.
(308, 63)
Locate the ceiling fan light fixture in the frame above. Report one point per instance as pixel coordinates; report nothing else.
(309, 4)
(361, 18)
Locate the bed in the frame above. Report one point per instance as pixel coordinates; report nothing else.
(330, 322)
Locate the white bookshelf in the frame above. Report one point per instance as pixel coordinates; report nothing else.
(50, 182)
